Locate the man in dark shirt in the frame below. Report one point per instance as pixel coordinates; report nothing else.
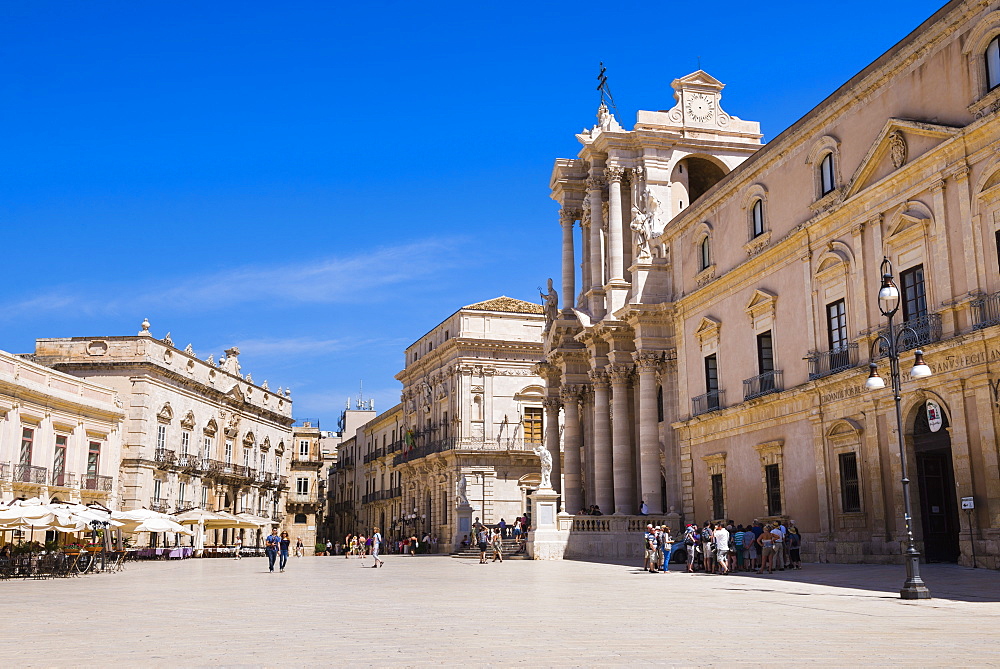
(271, 549)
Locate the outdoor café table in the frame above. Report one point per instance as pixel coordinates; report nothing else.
(180, 552)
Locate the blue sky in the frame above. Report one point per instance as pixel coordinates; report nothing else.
(320, 183)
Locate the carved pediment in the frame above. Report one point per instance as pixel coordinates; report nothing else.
(188, 421)
(237, 394)
(166, 414)
(912, 217)
(249, 440)
(707, 329)
(761, 304)
(266, 446)
(211, 428)
(900, 142)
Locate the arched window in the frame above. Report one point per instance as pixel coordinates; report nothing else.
(300, 518)
(757, 217)
(705, 253)
(993, 64)
(826, 180)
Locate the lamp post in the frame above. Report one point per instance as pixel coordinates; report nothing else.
(888, 304)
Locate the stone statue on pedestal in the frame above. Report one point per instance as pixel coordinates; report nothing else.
(550, 301)
(641, 232)
(546, 460)
(463, 493)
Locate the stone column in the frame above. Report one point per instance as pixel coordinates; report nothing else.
(621, 447)
(567, 218)
(604, 494)
(572, 443)
(649, 440)
(595, 186)
(615, 176)
(586, 253)
(552, 405)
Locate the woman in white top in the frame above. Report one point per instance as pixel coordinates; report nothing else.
(376, 544)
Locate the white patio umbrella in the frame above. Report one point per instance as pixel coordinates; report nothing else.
(161, 525)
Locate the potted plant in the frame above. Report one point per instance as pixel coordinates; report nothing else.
(320, 549)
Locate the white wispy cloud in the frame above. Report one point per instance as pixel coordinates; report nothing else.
(332, 279)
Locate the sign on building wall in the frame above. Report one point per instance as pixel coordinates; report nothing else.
(934, 418)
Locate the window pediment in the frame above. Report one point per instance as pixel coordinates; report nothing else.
(188, 421)
(760, 308)
(166, 414)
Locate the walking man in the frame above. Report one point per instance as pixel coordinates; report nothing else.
(722, 548)
(271, 549)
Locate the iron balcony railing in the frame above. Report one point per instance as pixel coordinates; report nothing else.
(762, 384)
(98, 483)
(825, 363)
(62, 479)
(30, 474)
(164, 456)
(454, 444)
(160, 505)
(915, 333)
(711, 401)
(340, 507)
(345, 463)
(986, 311)
(4, 471)
(303, 497)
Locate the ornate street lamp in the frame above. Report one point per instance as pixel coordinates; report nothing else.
(888, 304)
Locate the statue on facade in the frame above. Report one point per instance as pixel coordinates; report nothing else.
(462, 492)
(546, 460)
(231, 363)
(641, 232)
(550, 301)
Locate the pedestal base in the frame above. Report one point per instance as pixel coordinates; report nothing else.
(463, 526)
(546, 541)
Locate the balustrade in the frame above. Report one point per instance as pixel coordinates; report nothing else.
(712, 401)
(986, 311)
(30, 474)
(762, 384)
(825, 363)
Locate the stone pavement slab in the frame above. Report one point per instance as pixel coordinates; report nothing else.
(434, 610)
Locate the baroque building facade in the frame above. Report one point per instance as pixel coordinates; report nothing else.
(305, 503)
(60, 436)
(466, 431)
(197, 434)
(723, 372)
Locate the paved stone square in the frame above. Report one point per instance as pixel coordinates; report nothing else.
(436, 610)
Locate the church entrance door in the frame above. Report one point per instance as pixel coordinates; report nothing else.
(936, 483)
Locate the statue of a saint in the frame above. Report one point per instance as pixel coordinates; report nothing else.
(546, 460)
(463, 495)
(642, 231)
(550, 301)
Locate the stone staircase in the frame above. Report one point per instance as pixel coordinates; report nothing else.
(509, 548)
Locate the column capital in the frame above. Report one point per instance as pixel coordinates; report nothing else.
(571, 394)
(599, 378)
(596, 183)
(638, 174)
(648, 361)
(547, 371)
(619, 373)
(552, 403)
(569, 215)
(615, 173)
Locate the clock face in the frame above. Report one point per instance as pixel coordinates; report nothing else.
(700, 107)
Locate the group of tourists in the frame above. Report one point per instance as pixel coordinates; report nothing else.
(758, 547)
(491, 540)
(276, 548)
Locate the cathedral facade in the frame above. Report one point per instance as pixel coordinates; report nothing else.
(711, 354)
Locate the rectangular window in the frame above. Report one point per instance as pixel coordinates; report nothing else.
(304, 449)
(718, 501)
(277, 463)
(161, 437)
(836, 325)
(712, 381)
(246, 458)
(59, 461)
(302, 486)
(204, 497)
(826, 174)
(765, 352)
(444, 424)
(914, 295)
(850, 490)
(263, 463)
(229, 452)
(185, 442)
(532, 421)
(27, 443)
(181, 494)
(772, 478)
(206, 453)
(94, 459)
(157, 489)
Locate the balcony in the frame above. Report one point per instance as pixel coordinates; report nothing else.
(345, 463)
(341, 507)
(302, 498)
(160, 505)
(227, 470)
(164, 457)
(281, 481)
(825, 363)
(986, 311)
(30, 474)
(4, 471)
(61, 479)
(97, 483)
(762, 384)
(915, 333)
(712, 401)
(193, 464)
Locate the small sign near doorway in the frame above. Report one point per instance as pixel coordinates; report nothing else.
(934, 418)
(968, 503)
